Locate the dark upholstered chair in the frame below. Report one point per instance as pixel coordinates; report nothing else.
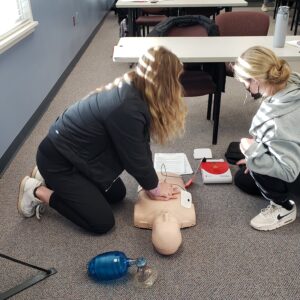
(194, 80)
(149, 18)
(243, 23)
(197, 78)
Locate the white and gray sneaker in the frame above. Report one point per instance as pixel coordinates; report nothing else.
(267, 7)
(37, 175)
(274, 216)
(264, 8)
(28, 205)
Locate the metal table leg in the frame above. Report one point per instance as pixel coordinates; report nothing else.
(41, 275)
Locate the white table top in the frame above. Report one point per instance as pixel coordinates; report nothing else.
(179, 3)
(201, 49)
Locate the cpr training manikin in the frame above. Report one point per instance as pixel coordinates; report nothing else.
(165, 218)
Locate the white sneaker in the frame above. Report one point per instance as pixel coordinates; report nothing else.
(37, 175)
(28, 205)
(274, 216)
(265, 8)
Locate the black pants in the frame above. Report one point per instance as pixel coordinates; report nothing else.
(75, 196)
(270, 188)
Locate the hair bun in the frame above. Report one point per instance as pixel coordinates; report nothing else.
(279, 72)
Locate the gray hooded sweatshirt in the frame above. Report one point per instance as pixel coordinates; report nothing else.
(276, 132)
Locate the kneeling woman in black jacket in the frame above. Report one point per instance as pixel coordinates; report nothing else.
(97, 138)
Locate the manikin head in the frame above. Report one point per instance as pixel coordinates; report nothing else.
(166, 234)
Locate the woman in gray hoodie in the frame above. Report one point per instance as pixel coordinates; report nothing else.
(272, 155)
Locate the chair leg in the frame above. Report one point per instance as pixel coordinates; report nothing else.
(297, 18)
(293, 19)
(209, 106)
(277, 4)
(216, 115)
(296, 8)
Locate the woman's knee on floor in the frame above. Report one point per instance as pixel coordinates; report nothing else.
(102, 223)
(246, 183)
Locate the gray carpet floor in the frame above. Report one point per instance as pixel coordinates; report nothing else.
(222, 257)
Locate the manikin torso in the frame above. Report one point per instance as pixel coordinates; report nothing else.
(165, 218)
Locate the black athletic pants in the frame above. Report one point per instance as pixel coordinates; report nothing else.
(75, 196)
(270, 188)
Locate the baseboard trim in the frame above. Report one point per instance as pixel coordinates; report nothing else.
(20, 139)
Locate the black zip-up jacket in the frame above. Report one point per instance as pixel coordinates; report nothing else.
(106, 133)
(162, 28)
(212, 29)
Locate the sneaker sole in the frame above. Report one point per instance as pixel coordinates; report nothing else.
(21, 193)
(268, 9)
(275, 226)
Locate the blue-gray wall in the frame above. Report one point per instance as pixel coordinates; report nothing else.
(30, 69)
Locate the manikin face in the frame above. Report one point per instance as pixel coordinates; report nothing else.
(166, 235)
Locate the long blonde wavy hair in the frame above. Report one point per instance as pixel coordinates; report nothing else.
(156, 76)
(261, 63)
